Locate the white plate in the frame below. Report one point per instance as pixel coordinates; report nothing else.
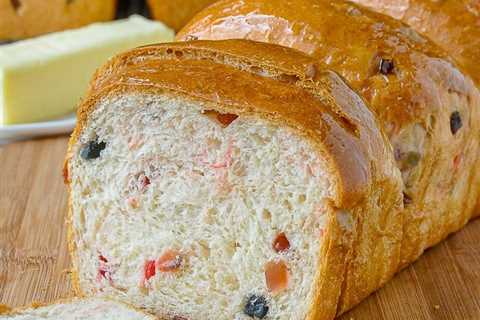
(13, 132)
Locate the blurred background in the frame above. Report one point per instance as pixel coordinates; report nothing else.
(49, 51)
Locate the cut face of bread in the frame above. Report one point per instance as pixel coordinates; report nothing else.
(79, 308)
(176, 187)
(209, 184)
(427, 107)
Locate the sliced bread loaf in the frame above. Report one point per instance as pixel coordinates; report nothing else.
(229, 180)
(428, 108)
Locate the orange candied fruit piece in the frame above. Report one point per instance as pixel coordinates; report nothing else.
(170, 261)
(281, 243)
(276, 276)
(224, 118)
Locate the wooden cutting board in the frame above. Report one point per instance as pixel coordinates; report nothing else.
(443, 284)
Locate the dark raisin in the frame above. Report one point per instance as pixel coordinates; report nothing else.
(455, 122)
(407, 199)
(412, 159)
(256, 307)
(92, 149)
(386, 66)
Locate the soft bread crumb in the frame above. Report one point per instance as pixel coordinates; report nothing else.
(218, 195)
(78, 308)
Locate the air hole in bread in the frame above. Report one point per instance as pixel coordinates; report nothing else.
(255, 69)
(191, 37)
(407, 200)
(289, 78)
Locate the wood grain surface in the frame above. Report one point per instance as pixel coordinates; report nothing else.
(443, 284)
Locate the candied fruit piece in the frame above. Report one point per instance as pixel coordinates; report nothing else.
(276, 276)
(281, 243)
(225, 119)
(170, 261)
(149, 269)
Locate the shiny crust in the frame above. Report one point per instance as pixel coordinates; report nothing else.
(175, 13)
(36, 17)
(452, 24)
(423, 90)
(227, 76)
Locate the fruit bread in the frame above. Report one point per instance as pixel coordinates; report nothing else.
(175, 13)
(77, 308)
(452, 24)
(27, 18)
(427, 107)
(229, 180)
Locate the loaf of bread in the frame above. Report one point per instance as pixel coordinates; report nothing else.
(176, 13)
(229, 180)
(27, 18)
(427, 107)
(452, 24)
(77, 308)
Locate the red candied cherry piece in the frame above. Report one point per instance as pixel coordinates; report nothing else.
(170, 261)
(281, 243)
(144, 182)
(276, 276)
(149, 269)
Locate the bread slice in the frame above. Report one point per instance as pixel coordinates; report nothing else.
(228, 180)
(77, 308)
(428, 108)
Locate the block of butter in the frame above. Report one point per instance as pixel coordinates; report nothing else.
(45, 77)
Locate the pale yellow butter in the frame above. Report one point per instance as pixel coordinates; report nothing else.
(45, 77)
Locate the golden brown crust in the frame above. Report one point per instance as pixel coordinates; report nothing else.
(176, 13)
(417, 97)
(452, 24)
(285, 87)
(28, 18)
